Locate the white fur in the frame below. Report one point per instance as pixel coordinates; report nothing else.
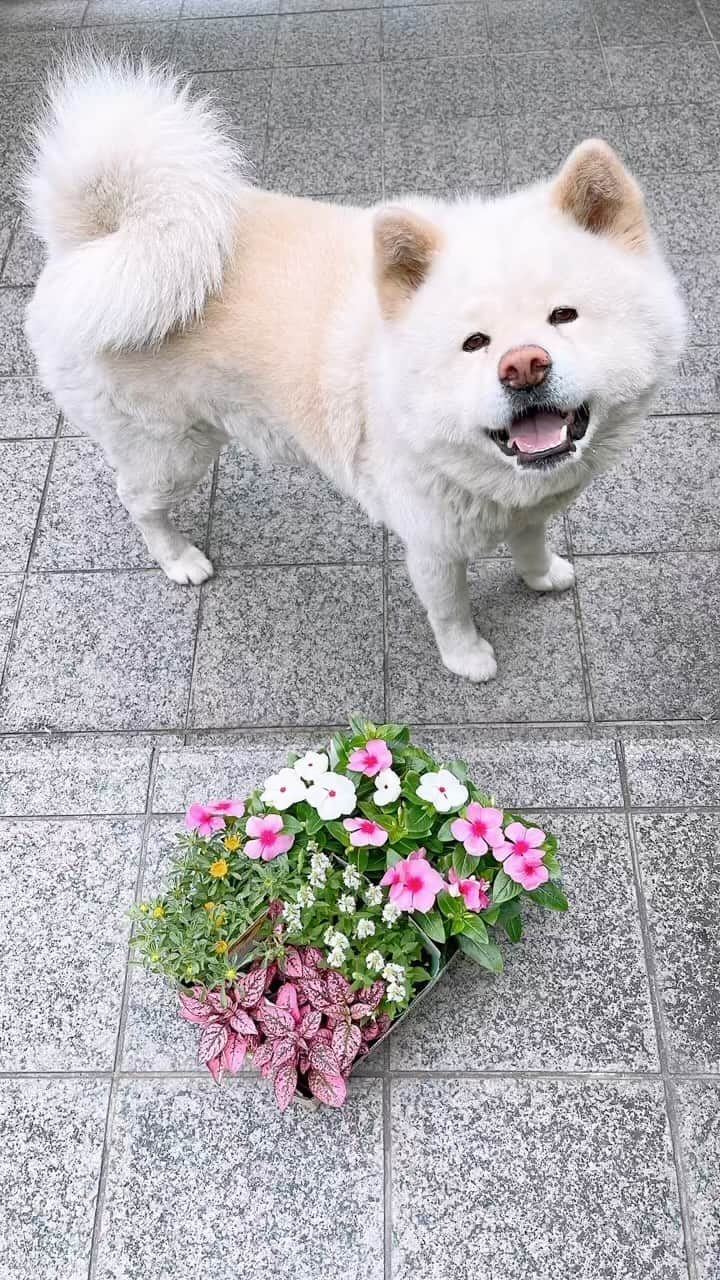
(147, 216)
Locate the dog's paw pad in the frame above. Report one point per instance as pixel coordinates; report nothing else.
(191, 566)
(559, 577)
(476, 662)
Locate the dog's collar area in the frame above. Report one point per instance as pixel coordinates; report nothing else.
(542, 434)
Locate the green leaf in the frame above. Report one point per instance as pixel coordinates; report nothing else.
(552, 862)
(314, 823)
(513, 927)
(490, 915)
(463, 864)
(432, 925)
(418, 974)
(445, 834)
(291, 824)
(459, 769)
(393, 732)
(337, 830)
(486, 954)
(550, 844)
(473, 928)
(391, 857)
(504, 889)
(449, 906)
(550, 895)
(457, 926)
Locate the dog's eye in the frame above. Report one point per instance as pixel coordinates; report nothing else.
(476, 341)
(562, 315)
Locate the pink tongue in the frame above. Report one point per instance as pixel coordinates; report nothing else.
(538, 432)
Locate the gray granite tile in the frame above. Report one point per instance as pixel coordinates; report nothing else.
(711, 10)
(309, 161)
(325, 96)
(679, 771)
(661, 497)
(699, 278)
(64, 892)
(68, 778)
(440, 155)
(685, 211)
(536, 1178)
(85, 526)
(678, 860)
(285, 515)
(29, 14)
(251, 140)
(228, 8)
(243, 95)
(537, 144)
(23, 467)
(578, 79)
(100, 650)
(437, 89)
(8, 219)
(532, 772)
(650, 634)
(49, 1173)
(15, 357)
(28, 54)
(10, 587)
(100, 12)
(26, 410)
(699, 1114)
(549, 24)
(152, 40)
(535, 640)
(309, 39)
(298, 6)
(285, 646)
(226, 44)
(664, 73)
(635, 22)
(670, 139)
(197, 774)
(304, 1161)
(695, 385)
(434, 31)
(586, 966)
(156, 1037)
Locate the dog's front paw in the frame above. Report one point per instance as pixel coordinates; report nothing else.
(190, 567)
(559, 577)
(473, 661)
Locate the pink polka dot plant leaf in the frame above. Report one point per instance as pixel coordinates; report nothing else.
(302, 922)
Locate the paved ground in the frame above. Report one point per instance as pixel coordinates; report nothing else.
(561, 1121)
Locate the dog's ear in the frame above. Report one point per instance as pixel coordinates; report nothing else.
(595, 189)
(405, 245)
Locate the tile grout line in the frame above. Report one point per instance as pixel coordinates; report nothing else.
(701, 11)
(579, 631)
(11, 240)
(387, 1175)
(122, 1019)
(497, 114)
(594, 810)
(385, 628)
(198, 617)
(660, 1025)
(400, 1073)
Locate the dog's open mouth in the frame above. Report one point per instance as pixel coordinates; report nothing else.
(542, 435)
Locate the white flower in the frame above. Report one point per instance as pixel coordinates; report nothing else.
(291, 914)
(393, 973)
(347, 904)
(329, 936)
(387, 787)
(365, 929)
(311, 766)
(331, 796)
(336, 958)
(442, 790)
(391, 912)
(374, 895)
(305, 897)
(351, 877)
(283, 789)
(319, 866)
(375, 961)
(333, 938)
(394, 994)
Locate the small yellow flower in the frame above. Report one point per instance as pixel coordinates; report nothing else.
(158, 912)
(231, 843)
(155, 956)
(219, 918)
(220, 947)
(231, 974)
(209, 907)
(219, 868)
(144, 907)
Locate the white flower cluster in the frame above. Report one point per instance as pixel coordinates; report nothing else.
(338, 944)
(394, 975)
(291, 915)
(305, 897)
(364, 929)
(319, 867)
(347, 904)
(375, 961)
(391, 912)
(373, 895)
(351, 878)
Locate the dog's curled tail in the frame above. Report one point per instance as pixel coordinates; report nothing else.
(136, 190)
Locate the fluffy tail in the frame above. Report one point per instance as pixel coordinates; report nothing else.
(135, 189)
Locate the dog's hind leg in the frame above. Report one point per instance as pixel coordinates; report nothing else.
(538, 566)
(154, 472)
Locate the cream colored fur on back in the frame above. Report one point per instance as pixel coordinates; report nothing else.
(180, 308)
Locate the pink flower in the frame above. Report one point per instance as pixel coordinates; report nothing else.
(479, 828)
(227, 808)
(201, 818)
(371, 758)
(414, 884)
(363, 831)
(522, 859)
(269, 841)
(473, 891)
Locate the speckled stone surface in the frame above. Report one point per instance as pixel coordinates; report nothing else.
(52, 1141)
(101, 11)
(15, 357)
(326, 39)
(698, 1105)
(580, 80)
(25, 409)
(25, 260)
(574, 993)
(666, 73)
(550, 1180)
(678, 857)
(442, 155)
(309, 96)
(68, 778)
(10, 588)
(310, 161)
(23, 467)
(535, 642)
(321, 1208)
(537, 143)
(528, 23)
(632, 22)
(674, 772)
(100, 650)
(311, 642)
(64, 891)
(226, 44)
(434, 31)
(435, 89)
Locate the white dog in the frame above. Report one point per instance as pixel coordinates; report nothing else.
(461, 369)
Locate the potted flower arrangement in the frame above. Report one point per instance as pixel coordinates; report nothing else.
(304, 921)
